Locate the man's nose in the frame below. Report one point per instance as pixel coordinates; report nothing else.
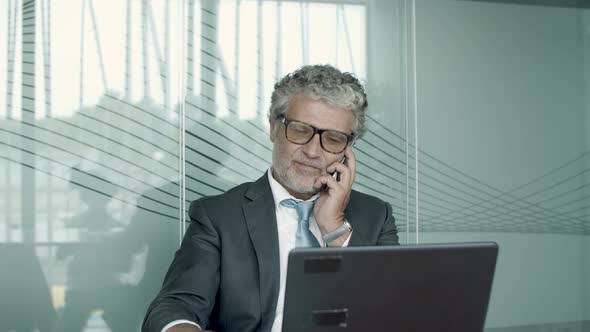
(313, 148)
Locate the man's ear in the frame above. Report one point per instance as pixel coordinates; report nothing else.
(273, 130)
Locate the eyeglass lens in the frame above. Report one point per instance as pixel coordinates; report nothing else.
(301, 133)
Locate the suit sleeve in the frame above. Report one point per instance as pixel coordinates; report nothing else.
(192, 281)
(388, 233)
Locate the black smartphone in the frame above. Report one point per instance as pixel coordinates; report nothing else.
(336, 175)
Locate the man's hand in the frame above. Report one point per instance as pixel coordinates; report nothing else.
(330, 206)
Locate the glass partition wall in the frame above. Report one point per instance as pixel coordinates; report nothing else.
(91, 96)
(503, 150)
(117, 114)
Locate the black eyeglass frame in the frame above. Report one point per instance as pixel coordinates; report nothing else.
(285, 121)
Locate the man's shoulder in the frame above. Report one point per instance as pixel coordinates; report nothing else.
(360, 198)
(232, 196)
(227, 208)
(368, 206)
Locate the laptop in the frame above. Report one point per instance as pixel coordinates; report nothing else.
(437, 287)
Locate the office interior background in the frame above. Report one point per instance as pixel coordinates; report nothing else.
(116, 114)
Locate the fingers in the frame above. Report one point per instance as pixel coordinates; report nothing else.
(328, 181)
(350, 161)
(345, 176)
(334, 198)
(346, 169)
(346, 173)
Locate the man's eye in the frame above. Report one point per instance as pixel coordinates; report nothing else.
(299, 129)
(334, 137)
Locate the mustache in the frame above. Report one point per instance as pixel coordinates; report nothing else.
(315, 164)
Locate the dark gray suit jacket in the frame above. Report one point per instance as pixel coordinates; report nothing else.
(225, 276)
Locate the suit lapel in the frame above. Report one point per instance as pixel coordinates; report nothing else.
(260, 218)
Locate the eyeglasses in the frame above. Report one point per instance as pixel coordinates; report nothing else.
(301, 133)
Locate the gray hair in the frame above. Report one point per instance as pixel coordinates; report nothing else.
(326, 83)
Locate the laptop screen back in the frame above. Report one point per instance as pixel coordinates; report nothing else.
(389, 288)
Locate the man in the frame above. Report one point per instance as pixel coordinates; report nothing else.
(229, 273)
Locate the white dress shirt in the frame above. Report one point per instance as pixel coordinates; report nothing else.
(287, 229)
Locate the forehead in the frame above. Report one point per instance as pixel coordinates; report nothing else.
(320, 114)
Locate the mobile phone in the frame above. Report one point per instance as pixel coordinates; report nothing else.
(336, 175)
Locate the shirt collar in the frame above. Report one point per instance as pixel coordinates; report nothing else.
(279, 193)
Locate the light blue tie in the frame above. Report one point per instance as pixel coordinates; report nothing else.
(304, 237)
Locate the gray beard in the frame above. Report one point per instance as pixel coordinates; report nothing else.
(283, 179)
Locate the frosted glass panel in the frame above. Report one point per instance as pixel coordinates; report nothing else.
(89, 161)
(502, 114)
